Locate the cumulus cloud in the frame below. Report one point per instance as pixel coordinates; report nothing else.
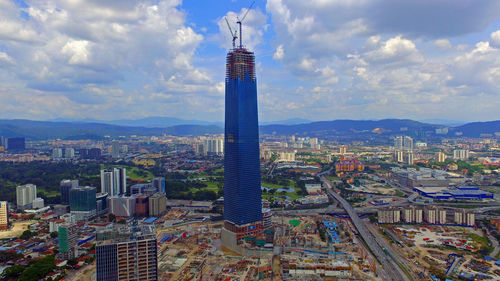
(94, 54)
(443, 44)
(253, 27)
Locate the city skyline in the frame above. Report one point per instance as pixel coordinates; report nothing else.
(131, 60)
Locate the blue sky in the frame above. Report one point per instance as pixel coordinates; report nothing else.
(317, 59)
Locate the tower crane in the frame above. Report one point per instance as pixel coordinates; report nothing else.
(234, 34)
(242, 19)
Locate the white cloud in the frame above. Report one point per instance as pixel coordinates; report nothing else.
(279, 54)
(495, 38)
(253, 28)
(443, 44)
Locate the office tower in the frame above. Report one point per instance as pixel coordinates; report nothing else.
(15, 144)
(66, 186)
(460, 154)
(157, 204)
(4, 215)
(122, 206)
(159, 184)
(114, 182)
(127, 253)
(398, 143)
(25, 194)
(242, 188)
(142, 206)
(69, 152)
(57, 153)
(3, 141)
(115, 150)
(67, 241)
(101, 203)
(83, 153)
(94, 153)
(82, 202)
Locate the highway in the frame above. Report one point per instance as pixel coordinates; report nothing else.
(390, 270)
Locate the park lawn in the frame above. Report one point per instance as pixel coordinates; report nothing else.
(51, 193)
(133, 172)
(211, 186)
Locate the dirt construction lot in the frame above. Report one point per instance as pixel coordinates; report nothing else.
(16, 229)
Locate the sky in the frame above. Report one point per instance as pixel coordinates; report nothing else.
(316, 59)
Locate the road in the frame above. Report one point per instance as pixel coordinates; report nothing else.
(390, 270)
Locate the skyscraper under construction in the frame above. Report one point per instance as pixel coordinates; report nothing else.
(242, 188)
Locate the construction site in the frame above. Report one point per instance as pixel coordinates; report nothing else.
(308, 248)
(439, 250)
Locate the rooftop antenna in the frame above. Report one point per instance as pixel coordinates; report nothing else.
(240, 21)
(234, 34)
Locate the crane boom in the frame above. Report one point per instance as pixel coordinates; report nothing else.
(233, 34)
(240, 21)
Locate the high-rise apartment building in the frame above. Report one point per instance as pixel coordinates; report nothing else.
(4, 215)
(242, 187)
(25, 195)
(82, 202)
(460, 154)
(115, 150)
(57, 153)
(127, 253)
(440, 157)
(214, 146)
(69, 152)
(343, 149)
(403, 143)
(114, 182)
(66, 186)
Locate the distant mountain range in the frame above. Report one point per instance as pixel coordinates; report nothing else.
(144, 127)
(164, 122)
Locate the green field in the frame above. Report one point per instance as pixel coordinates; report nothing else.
(266, 195)
(133, 172)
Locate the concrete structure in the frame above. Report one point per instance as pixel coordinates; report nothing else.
(412, 215)
(57, 153)
(66, 186)
(122, 206)
(460, 154)
(440, 157)
(25, 194)
(267, 216)
(463, 217)
(38, 203)
(242, 187)
(157, 204)
(142, 206)
(391, 215)
(127, 253)
(424, 177)
(83, 203)
(102, 206)
(115, 150)
(213, 146)
(69, 153)
(67, 241)
(159, 184)
(4, 215)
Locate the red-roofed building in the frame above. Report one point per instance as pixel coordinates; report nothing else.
(349, 165)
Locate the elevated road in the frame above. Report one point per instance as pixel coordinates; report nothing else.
(390, 269)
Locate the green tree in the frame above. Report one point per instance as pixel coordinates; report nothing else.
(54, 234)
(13, 272)
(27, 234)
(111, 217)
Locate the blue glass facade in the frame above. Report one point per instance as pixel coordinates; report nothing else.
(242, 192)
